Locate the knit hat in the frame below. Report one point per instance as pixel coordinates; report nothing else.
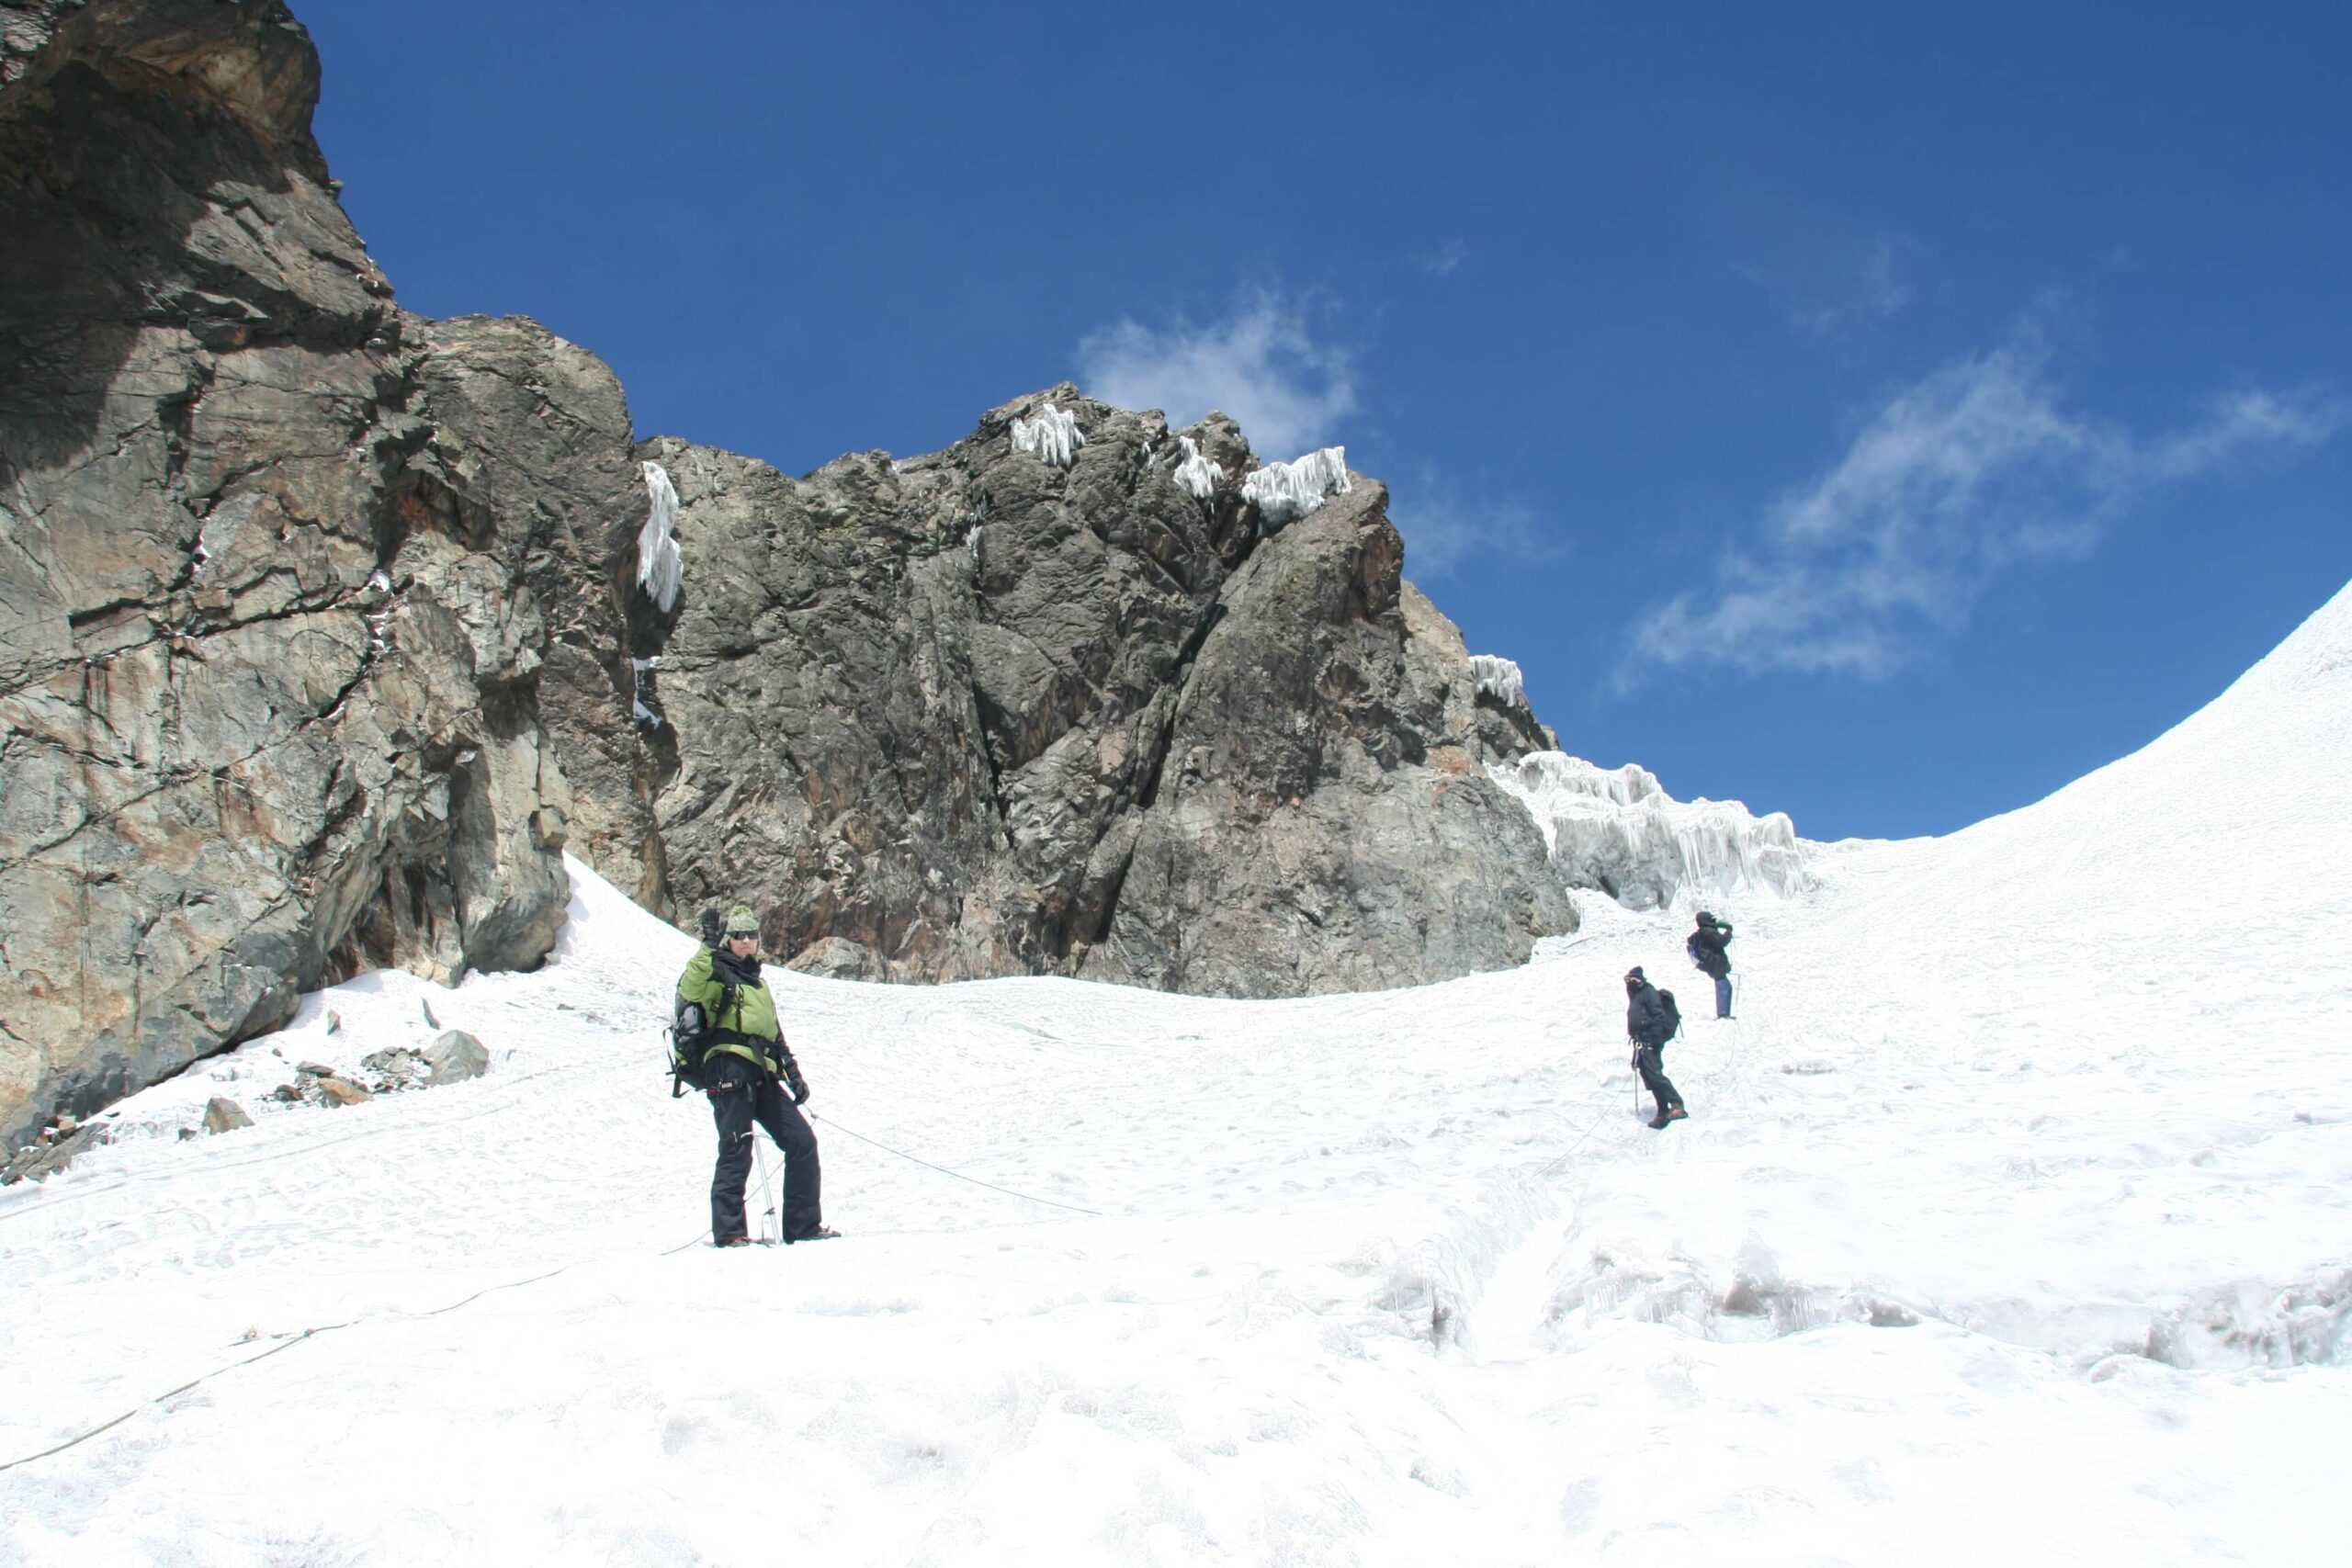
(1634, 973)
(740, 922)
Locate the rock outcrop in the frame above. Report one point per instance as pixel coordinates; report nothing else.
(321, 637)
(978, 712)
(268, 697)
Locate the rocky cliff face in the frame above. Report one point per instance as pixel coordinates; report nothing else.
(979, 712)
(269, 701)
(321, 637)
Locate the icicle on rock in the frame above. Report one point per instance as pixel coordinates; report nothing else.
(661, 566)
(1501, 679)
(1052, 437)
(1617, 831)
(1196, 474)
(1284, 492)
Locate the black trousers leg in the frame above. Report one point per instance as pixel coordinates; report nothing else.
(732, 1107)
(803, 1207)
(1650, 1061)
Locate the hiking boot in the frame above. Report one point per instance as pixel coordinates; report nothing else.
(731, 1241)
(1678, 1114)
(1661, 1119)
(822, 1233)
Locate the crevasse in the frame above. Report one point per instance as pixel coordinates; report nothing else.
(1617, 831)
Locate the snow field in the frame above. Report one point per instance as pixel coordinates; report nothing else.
(2010, 1221)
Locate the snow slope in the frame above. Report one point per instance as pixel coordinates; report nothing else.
(2011, 1222)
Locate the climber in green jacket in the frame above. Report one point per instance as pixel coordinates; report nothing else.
(745, 1068)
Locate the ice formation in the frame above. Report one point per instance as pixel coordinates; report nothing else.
(637, 668)
(1197, 473)
(661, 568)
(1614, 828)
(1499, 679)
(1052, 437)
(1284, 492)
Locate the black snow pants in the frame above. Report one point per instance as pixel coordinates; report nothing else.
(1649, 1061)
(741, 1094)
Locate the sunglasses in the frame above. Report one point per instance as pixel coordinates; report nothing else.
(743, 936)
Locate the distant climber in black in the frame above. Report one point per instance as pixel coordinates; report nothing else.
(1707, 947)
(1650, 1022)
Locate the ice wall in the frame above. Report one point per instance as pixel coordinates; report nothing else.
(1615, 829)
(1052, 437)
(1197, 473)
(661, 566)
(1284, 492)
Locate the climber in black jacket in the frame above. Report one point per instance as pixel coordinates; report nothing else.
(1650, 1026)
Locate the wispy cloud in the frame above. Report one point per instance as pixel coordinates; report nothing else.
(1262, 363)
(1442, 261)
(1976, 471)
(1445, 523)
(1831, 293)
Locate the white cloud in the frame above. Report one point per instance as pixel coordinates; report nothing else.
(1829, 293)
(1976, 470)
(1443, 525)
(1446, 258)
(1262, 364)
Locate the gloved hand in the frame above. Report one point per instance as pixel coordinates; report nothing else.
(794, 1081)
(713, 927)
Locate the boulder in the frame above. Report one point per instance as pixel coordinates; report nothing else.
(838, 958)
(455, 1056)
(341, 1091)
(224, 1115)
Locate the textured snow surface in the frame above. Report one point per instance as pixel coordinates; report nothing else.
(661, 568)
(1197, 474)
(1615, 829)
(1501, 679)
(1051, 436)
(1284, 492)
(2013, 1223)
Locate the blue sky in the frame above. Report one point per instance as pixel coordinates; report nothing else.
(1878, 416)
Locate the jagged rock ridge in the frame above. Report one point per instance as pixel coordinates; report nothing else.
(321, 637)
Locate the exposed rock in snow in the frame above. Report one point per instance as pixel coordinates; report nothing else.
(661, 568)
(1051, 436)
(455, 1056)
(1499, 679)
(1196, 474)
(1617, 831)
(1284, 492)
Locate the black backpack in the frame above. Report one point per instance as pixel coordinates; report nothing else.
(688, 1036)
(1673, 1013)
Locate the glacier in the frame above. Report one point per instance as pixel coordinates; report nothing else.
(1284, 492)
(1052, 437)
(1617, 829)
(661, 565)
